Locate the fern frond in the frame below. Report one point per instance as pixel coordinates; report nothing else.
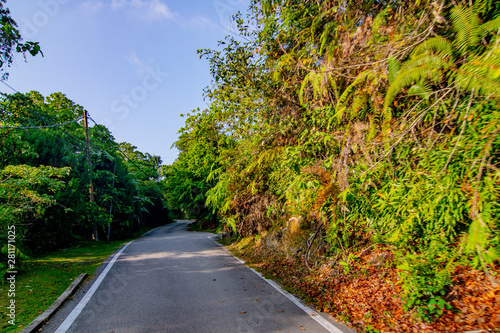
(439, 45)
(268, 6)
(319, 19)
(380, 20)
(437, 61)
(303, 86)
(481, 73)
(328, 31)
(467, 28)
(264, 159)
(333, 84)
(316, 84)
(320, 83)
(282, 62)
(372, 129)
(358, 103)
(409, 77)
(393, 69)
(478, 235)
(490, 26)
(421, 90)
(342, 101)
(328, 80)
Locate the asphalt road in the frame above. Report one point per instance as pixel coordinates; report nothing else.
(172, 280)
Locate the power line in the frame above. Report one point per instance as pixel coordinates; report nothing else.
(37, 114)
(44, 119)
(10, 87)
(93, 150)
(45, 126)
(120, 151)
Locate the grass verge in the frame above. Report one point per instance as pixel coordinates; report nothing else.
(44, 278)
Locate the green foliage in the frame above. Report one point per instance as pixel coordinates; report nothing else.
(370, 122)
(25, 194)
(44, 177)
(472, 66)
(186, 182)
(425, 278)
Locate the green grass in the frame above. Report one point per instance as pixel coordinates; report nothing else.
(43, 279)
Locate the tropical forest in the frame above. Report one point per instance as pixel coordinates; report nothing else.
(349, 151)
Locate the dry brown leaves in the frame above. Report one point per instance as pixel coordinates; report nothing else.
(369, 296)
(475, 300)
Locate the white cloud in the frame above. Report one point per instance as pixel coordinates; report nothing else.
(149, 10)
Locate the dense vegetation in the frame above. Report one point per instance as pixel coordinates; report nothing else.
(44, 178)
(44, 171)
(339, 127)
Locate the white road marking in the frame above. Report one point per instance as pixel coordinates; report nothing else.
(78, 309)
(150, 231)
(311, 312)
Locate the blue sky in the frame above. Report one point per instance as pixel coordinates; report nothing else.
(131, 63)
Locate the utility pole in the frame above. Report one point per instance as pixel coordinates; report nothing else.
(89, 165)
(111, 205)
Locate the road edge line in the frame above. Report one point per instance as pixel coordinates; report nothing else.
(66, 324)
(144, 234)
(311, 312)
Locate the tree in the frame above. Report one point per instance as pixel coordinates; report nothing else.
(11, 41)
(372, 123)
(150, 199)
(127, 193)
(25, 194)
(187, 180)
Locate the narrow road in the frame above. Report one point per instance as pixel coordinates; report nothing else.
(173, 280)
